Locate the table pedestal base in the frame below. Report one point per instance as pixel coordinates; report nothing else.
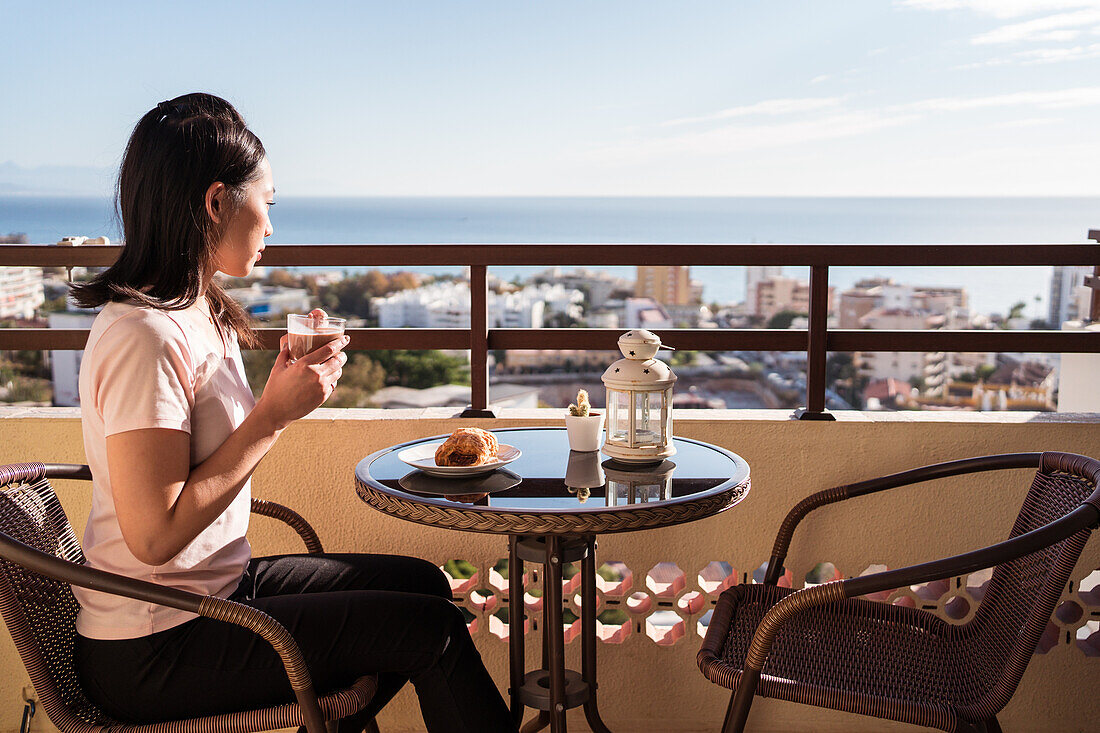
(535, 692)
(553, 689)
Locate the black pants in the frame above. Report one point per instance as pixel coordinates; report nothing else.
(350, 614)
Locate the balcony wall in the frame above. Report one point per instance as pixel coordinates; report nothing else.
(651, 686)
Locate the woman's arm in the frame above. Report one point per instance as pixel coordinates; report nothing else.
(162, 503)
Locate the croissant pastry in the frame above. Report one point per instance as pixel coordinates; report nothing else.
(467, 447)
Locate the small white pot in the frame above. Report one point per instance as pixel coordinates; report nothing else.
(584, 432)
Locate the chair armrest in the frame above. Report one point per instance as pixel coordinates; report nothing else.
(209, 606)
(871, 486)
(291, 517)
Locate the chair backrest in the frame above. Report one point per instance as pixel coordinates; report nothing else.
(1022, 593)
(40, 612)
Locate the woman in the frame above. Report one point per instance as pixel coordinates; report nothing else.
(173, 434)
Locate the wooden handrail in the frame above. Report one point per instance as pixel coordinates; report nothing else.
(547, 255)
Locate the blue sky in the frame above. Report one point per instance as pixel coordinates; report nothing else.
(815, 97)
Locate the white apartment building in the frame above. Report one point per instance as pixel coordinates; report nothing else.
(21, 291)
(755, 274)
(447, 305)
(885, 294)
(901, 365)
(65, 365)
(881, 303)
(271, 300)
(1067, 286)
(599, 285)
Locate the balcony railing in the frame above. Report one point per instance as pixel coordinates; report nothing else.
(816, 341)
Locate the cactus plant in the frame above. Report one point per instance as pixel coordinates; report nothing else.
(581, 408)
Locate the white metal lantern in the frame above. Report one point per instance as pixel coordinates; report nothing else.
(638, 485)
(639, 401)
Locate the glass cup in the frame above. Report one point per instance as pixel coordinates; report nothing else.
(309, 333)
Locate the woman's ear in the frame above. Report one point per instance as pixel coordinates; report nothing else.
(216, 201)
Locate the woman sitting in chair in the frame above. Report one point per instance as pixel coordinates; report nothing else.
(172, 434)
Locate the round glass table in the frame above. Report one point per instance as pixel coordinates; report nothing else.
(552, 502)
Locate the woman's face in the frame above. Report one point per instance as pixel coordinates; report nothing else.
(242, 240)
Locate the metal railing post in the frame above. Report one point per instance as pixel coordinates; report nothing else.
(479, 344)
(816, 340)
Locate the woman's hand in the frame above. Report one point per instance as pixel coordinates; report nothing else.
(297, 387)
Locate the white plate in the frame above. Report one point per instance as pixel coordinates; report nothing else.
(423, 457)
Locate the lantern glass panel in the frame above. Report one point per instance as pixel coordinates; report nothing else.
(648, 492)
(668, 417)
(618, 416)
(648, 425)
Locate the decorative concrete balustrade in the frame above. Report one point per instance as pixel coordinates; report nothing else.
(656, 588)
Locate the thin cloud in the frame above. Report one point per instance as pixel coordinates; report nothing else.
(1028, 122)
(1040, 56)
(1058, 27)
(816, 121)
(1000, 8)
(1060, 99)
(746, 137)
(1054, 55)
(766, 107)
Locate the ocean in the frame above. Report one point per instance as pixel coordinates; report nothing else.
(618, 220)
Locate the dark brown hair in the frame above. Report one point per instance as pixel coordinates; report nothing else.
(177, 150)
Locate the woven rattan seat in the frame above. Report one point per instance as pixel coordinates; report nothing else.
(40, 558)
(826, 646)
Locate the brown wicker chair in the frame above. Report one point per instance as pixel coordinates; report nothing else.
(826, 646)
(40, 557)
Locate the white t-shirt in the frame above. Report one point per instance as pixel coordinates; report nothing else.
(148, 368)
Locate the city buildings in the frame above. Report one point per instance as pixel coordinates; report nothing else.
(777, 293)
(755, 274)
(271, 300)
(568, 360)
(65, 365)
(447, 305)
(888, 394)
(455, 395)
(1067, 293)
(884, 293)
(645, 313)
(669, 285)
(598, 287)
(1014, 385)
(21, 291)
(882, 304)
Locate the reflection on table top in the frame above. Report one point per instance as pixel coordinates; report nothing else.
(548, 477)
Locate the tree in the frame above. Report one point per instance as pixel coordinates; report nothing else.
(558, 319)
(843, 376)
(60, 304)
(257, 367)
(683, 358)
(352, 295)
(783, 319)
(421, 369)
(1017, 310)
(283, 278)
(362, 377)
